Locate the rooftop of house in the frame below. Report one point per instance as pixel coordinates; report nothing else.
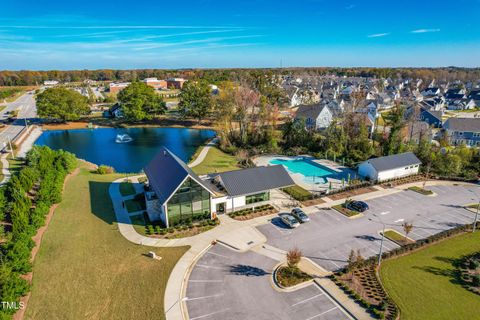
(394, 161)
(463, 124)
(310, 111)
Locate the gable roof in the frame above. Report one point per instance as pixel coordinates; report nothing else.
(166, 172)
(394, 161)
(463, 124)
(310, 111)
(254, 180)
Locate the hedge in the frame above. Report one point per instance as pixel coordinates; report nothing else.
(26, 199)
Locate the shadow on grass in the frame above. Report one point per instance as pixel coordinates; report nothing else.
(451, 271)
(100, 202)
(249, 271)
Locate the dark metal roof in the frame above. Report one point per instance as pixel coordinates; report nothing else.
(253, 180)
(166, 172)
(310, 111)
(394, 161)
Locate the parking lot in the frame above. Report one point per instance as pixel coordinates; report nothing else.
(329, 236)
(229, 285)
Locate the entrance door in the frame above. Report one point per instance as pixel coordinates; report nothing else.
(221, 207)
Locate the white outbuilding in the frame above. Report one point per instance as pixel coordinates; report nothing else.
(390, 167)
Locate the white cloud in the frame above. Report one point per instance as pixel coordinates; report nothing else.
(378, 35)
(425, 30)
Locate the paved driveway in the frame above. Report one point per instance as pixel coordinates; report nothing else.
(328, 238)
(229, 285)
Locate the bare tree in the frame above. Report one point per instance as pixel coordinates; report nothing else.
(293, 257)
(407, 228)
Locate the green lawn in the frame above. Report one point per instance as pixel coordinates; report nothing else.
(297, 192)
(216, 161)
(85, 269)
(423, 283)
(421, 190)
(127, 189)
(397, 237)
(15, 165)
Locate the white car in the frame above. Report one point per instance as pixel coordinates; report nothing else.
(289, 220)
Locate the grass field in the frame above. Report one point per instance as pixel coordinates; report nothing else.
(424, 286)
(397, 237)
(216, 161)
(85, 269)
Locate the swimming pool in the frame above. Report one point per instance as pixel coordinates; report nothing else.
(305, 167)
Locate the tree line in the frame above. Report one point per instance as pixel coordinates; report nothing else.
(24, 203)
(28, 77)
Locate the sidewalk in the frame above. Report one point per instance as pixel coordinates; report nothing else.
(5, 171)
(203, 153)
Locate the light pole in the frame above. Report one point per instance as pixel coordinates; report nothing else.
(379, 220)
(476, 214)
(179, 300)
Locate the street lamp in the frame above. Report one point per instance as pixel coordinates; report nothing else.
(379, 220)
(179, 300)
(476, 214)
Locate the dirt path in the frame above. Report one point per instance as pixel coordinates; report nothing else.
(37, 238)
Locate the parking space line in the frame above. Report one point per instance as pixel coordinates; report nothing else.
(308, 299)
(209, 314)
(205, 281)
(217, 254)
(205, 297)
(320, 314)
(209, 267)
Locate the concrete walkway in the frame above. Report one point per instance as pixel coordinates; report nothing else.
(5, 166)
(238, 235)
(203, 153)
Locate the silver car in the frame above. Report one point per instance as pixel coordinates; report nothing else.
(300, 215)
(289, 220)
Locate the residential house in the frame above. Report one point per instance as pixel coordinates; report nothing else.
(114, 112)
(432, 117)
(463, 131)
(390, 167)
(431, 92)
(317, 116)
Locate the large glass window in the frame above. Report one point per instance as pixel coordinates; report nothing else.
(190, 202)
(259, 197)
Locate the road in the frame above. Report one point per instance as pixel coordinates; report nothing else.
(26, 110)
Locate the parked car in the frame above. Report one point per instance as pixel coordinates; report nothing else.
(289, 220)
(359, 206)
(300, 215)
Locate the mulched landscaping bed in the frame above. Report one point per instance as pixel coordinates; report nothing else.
(313, 202)
(289, 277)
(363, 286)
(251, 213)
(351, 193)
(398, 182)
(180, 231)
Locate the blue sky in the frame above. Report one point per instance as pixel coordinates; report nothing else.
(59, 34)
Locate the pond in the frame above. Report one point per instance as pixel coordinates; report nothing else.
(99, 146)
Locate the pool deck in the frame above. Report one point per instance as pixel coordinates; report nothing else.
(313, 185)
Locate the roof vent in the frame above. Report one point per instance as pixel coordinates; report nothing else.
(165, 153)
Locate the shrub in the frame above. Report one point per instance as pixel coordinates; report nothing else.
(162, 231)
(476, 280)
(103, 169)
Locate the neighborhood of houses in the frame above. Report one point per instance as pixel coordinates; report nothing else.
(449, 110)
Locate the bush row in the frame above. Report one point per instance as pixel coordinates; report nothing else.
(24, 203)
(151, 229)
(248, 211)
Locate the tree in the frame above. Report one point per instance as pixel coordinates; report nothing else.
(195, 100)
(140, 102)
(407, 227)
(293, 257)
(61, 103)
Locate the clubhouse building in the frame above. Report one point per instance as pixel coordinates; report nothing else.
(175, 193)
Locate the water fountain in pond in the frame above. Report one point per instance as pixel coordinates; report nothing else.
(123, 138)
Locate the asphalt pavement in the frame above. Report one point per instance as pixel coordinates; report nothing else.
(27, 110)
(330, 236)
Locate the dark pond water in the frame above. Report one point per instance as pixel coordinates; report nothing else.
(99, 146)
